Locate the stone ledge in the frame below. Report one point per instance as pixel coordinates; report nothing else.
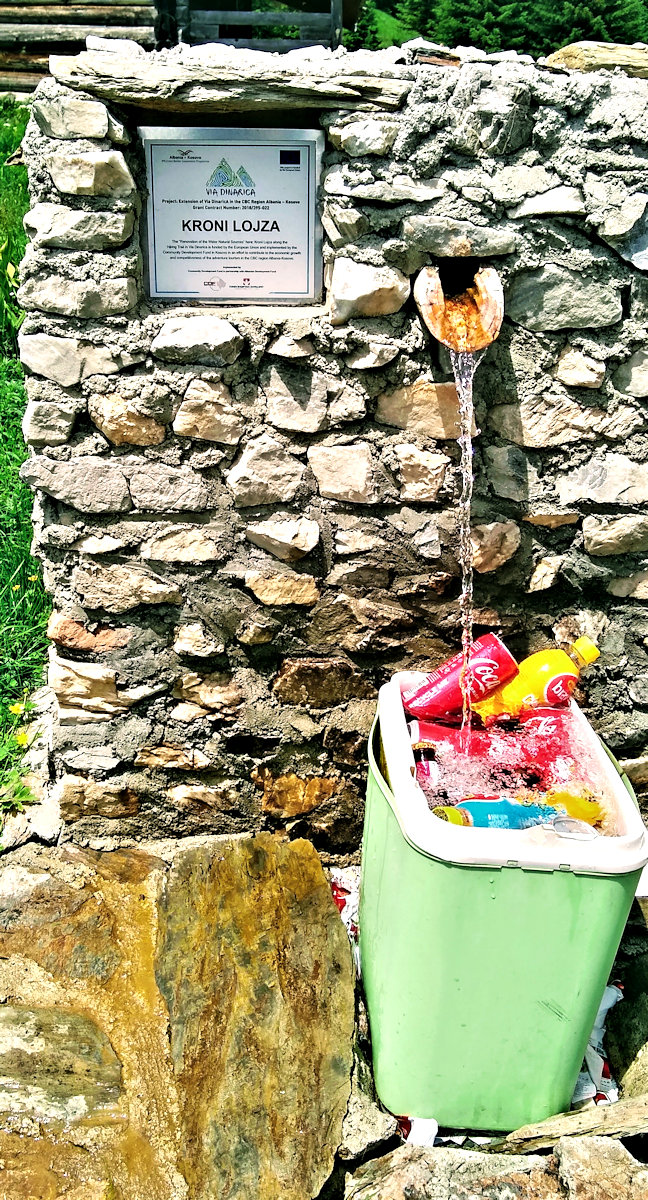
(217, 78)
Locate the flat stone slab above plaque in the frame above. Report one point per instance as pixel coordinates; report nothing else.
(232, 214)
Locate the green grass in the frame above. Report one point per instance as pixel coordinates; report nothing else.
(24, 604)
(391, 31)
(14, 202)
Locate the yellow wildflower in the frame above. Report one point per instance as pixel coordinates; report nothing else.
(33, 578)
(17, 709)
(16, 587)
(21, 737)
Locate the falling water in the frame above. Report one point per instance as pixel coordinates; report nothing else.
(467, 323)
(464, 365)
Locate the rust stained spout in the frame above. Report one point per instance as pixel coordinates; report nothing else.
(467, 322)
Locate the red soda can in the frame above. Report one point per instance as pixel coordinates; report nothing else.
(439, 694)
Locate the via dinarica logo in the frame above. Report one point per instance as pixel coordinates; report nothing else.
(225, 179)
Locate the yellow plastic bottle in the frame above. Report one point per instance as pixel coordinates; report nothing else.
(581, 807)
(548, 677)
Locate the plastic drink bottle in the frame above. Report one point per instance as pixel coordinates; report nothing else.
(492, 813)
(581, 808)
(548, 677)
(439, 693)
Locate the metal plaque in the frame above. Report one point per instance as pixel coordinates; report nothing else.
(232, 214)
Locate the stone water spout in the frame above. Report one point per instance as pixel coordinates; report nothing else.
(467, 322)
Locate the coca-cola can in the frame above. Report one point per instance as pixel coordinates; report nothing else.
(439, 694)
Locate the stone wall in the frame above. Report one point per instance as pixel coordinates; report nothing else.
(247, 521)
(246, 515)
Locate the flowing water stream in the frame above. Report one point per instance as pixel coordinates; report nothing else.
(466, 323)
(464, 365)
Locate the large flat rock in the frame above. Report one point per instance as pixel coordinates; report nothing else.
(267, 1002)
(218, 78)
(183, 1012)
(582, 1168)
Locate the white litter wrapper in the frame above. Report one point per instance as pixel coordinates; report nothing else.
(345, 886)
(423, 1132)
(595, 1085)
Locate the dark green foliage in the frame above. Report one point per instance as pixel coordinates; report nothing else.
(365, 35)
(417, 15)
(470, 23)
(535, 28)
(624, 21)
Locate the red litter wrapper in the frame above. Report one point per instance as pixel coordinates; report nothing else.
(439, 693)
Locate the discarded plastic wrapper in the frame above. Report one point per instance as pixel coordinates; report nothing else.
(595, 1084)
(345, 889)
(423, 1132)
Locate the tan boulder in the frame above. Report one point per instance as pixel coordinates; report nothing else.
(179, 758)
(199, 795)
(217, 692)
(422, 472)
(80, 797)
(423, 407)
(206, 412)
(120, 588)
(194, 639)
(291, 796)
(87, 686)
(282, 588)
(122, 424)
(187, 543)
(360, 290)
(288, 538)
(493, 544)
(576, 369)
(633, 586)
(545, 573)
(616, 535)
(345, 472)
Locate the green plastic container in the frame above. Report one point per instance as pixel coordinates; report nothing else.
(484, 953)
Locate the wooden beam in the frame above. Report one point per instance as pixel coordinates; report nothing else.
(96, 14)
(337, 22)
(182, 19)
(270, 45)
(231, 17)
(13, 60)
(20, 4)
(19, 81)
(12, 35)
(602, 56)
(624, 1119)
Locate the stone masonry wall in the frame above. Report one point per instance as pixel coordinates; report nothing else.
(247, 516)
